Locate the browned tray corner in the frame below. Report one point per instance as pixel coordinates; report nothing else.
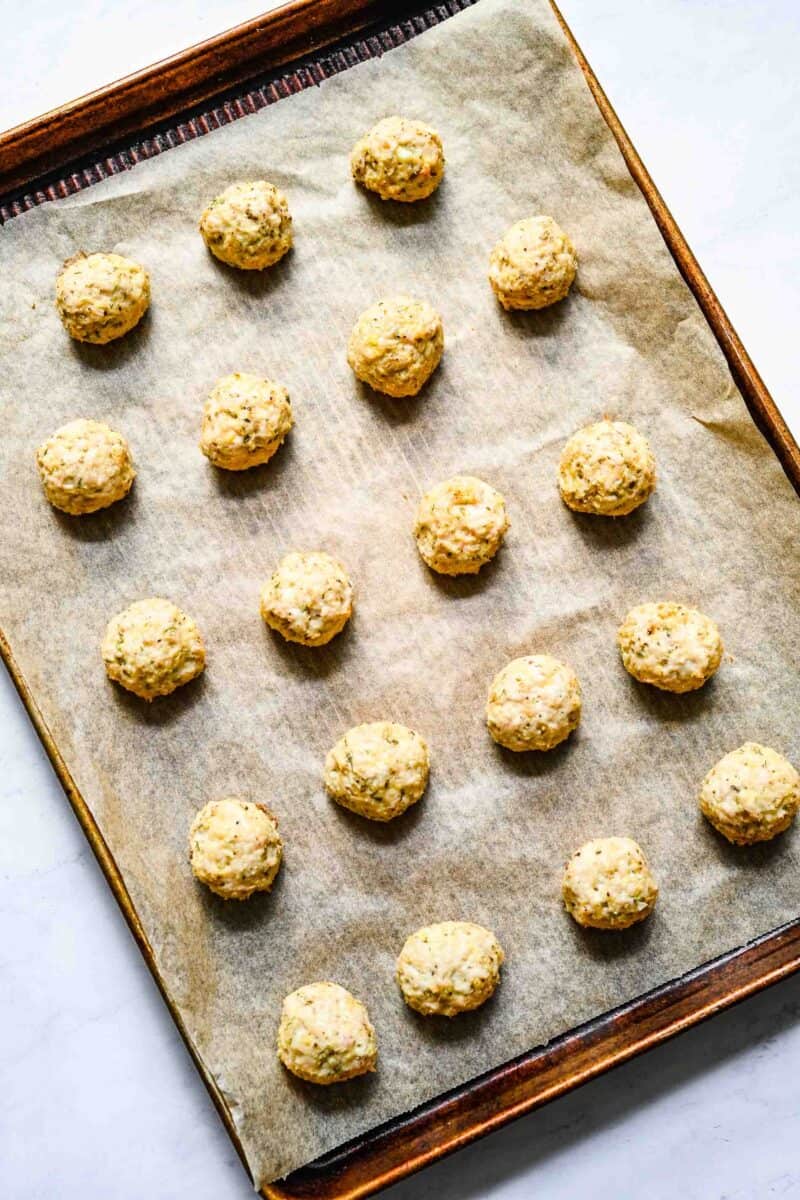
(148, 103)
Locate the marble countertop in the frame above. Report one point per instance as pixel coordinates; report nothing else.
(99, 1098)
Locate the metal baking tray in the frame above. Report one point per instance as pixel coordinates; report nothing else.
(183, 97)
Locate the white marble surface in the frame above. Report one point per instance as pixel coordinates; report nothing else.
(99, 1098)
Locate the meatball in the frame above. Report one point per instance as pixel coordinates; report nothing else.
(245, 420)
(235, 848)
(460, 525)
(85, 466)
(378, 770)
(399, 159)
(325, 1035)
(308, 598)
(533, 265)
(248, 225)
(101, 297)
(396, 345)
(607, 884)
(449, 968)
(152, 648)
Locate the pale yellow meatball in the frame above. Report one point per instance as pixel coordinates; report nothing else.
(533, 265)
(399, 159)
(671, 647)
(378, 770)
(607, 884)
(449, 968)
(248, 225)
(245, 420)
(85, 466)
(308, 598)
(751, 795)
(396, 345)
(534, 703)
(325, 1035)
(235, 848)
(101, 297)
(607, 469)
(460, 525)
(152, 648)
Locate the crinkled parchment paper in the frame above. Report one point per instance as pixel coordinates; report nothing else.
(522, 135)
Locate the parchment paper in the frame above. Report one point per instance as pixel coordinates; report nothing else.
(522, 135)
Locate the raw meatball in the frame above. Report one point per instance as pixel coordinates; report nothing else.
(399, 159)
(378, 770)
(396, 345)
(751, 794)
(248, 226)
(308, 598)
(85, 466)
(608, 885)
(245, 420)
(325, 1035)
(235, 848)
(607, 469)
(460, 525)
(674, 648)
(152, 648)
(533, 264)
(534, 703)
(449, 968)
(100, 297)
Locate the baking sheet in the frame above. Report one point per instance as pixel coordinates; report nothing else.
(521, 135)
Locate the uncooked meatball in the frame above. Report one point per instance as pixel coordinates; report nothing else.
(533, 265)
(235, 848)
(396, 345)
(449, 968)
(85, 466)
(460, 525)
(607, 469)
(534, 703)
(308, 598)
(101, 297)
(245, 420)
(378, 770)
(399, 159)
(248, 226)
(325, 1035)
(152, 648)
(608, 885)
(751, 795)
(674, 648)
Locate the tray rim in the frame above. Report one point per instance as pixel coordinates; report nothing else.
(406, 1144)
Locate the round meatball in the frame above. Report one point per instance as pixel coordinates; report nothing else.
(449, 968)
(378, 770)
(607, 469)
(460, 525)
(674, 648)
(608, 885)
(100, 297)
(245, 420)
(396, 345)
(752, 794)
(235, 848)
(325, 1035)
(308, 598)
(152, 648)
(399, 159)
(248, 225)
(85, 466)
(533, 265)
(534, 703)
